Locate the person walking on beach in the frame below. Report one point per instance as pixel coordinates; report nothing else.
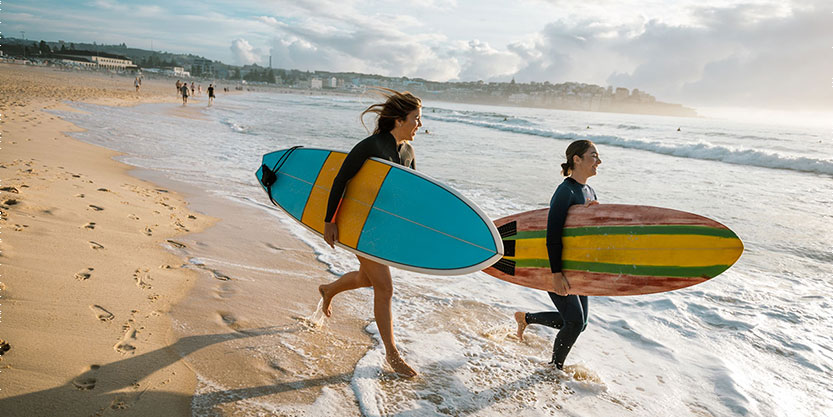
(210, 94)
(398, 120)
(184, 90)
(137, 83)
(571, 317)
(193, 88)
(178, 88)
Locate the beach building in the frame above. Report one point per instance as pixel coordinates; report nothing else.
(93, 59)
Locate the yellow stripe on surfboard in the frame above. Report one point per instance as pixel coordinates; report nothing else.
(316, 206)
(648, 250)
(359, 197)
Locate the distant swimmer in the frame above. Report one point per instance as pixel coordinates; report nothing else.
(399, 118)
(588, 126)
(678, 129)
(571, 317)
(427, 132)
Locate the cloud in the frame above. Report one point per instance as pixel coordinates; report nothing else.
(743, 55)
(479, 61)
(739, 56)
(244, 53)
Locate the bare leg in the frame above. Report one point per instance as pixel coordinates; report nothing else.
(346, 282)
(520, 317)
(379, 276)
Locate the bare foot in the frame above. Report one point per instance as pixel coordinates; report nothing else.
(520, 317)
(400, 366)
(324, 296)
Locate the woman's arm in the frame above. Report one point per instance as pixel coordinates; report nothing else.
(555, 225)
(352, 163)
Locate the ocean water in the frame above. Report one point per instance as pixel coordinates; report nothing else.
(755, 341)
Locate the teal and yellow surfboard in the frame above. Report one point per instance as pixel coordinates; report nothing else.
(389, 213)
(615, 249)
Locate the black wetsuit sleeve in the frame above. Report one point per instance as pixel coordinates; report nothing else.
(555, 225)
(354, 161)
(413, 164)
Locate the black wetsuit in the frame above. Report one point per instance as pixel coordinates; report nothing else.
(571, 317)
(380, 145)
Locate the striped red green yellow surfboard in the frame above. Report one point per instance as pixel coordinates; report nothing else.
(616, 249)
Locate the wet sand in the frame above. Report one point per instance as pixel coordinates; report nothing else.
(95, 260)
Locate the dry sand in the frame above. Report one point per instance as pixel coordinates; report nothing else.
(91, 269)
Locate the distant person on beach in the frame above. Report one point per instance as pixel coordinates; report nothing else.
(398, 120)
(193, 88)
(571, 317)
(137, 83)
(210, 94)
(199, 89)
(178, 88)
(184, 89)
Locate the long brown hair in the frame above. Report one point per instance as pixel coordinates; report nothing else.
(397, 106)
(577, 148)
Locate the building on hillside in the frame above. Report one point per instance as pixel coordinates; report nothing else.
(203, 67)
(621, 94)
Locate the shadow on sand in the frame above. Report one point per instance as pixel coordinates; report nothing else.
(81, 395)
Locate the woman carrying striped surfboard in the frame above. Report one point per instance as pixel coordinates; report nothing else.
(571, 315)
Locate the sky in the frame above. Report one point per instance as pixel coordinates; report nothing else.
(764, 54)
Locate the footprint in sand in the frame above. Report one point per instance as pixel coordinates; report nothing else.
(11, 202)
(96, 208)
(141, 276)
(84, 274)
(227, 318)
(133, 217)
(87, 380)
(119, 405)
(101, 312)
(96, 245)
(273, 247)
(79, 195)
(219, 275)
(148, 231)
(176, 244)
(13, 190)
(20, 227)
(225, 290)
(104, 190)
(84, 384)
(90, 225)
(4, 347)
(125, 345)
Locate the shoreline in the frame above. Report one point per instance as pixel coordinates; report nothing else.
(124, 306)
(86, 285)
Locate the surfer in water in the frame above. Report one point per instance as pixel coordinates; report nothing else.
(571, 317)
(398, 120)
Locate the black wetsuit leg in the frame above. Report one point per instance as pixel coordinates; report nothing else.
(571, 319)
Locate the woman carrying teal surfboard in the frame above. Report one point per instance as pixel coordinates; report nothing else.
(399, 118)
(571, 317)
